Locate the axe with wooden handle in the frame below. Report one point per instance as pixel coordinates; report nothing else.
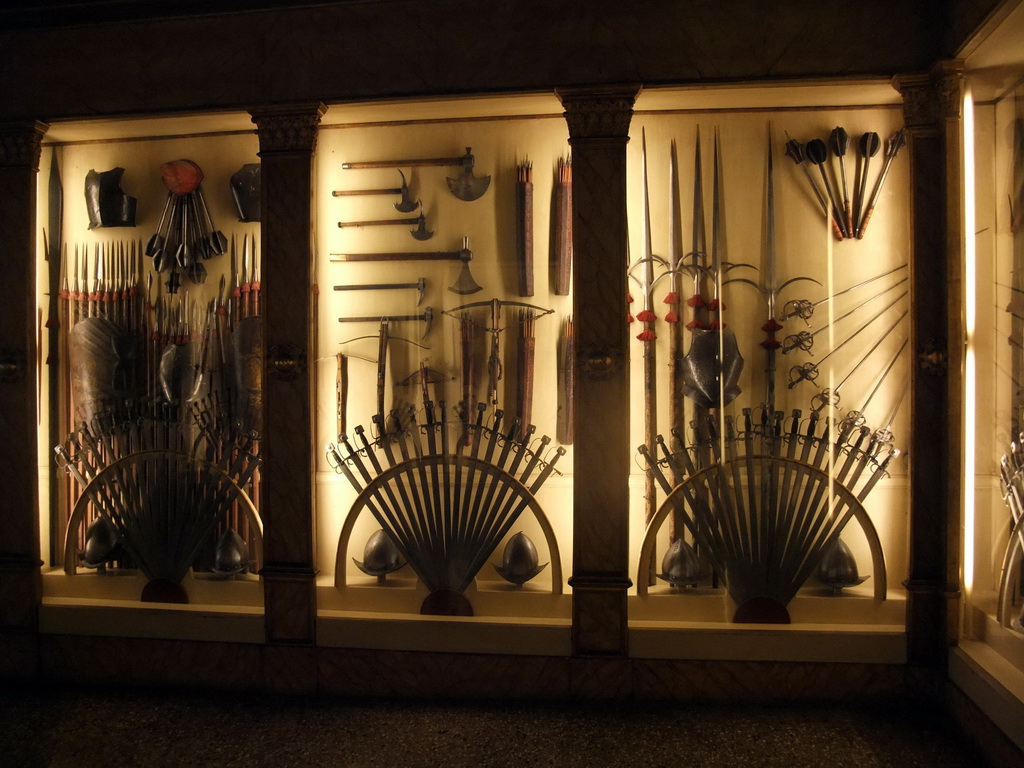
(465, 187)
(427, 318)
(464, 284)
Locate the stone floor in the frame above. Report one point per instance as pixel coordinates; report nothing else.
(68, 728)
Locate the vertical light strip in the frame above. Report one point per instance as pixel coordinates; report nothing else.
(970, 308)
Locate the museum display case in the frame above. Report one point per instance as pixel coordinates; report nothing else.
(767, 391)
(149, 278)
(992, 644)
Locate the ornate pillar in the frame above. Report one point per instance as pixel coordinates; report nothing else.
(598, 121)
(932, 114)
(287, 145)
(20, 577)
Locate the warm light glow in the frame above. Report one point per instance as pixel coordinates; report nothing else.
(969, 359)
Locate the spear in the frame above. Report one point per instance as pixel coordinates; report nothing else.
(245, 287)
(676, 399)
(255, 284)
(768, 288)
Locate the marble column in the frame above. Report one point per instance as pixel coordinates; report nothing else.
(598, 120)
(932, 106)
(287, 135)
(20, 575)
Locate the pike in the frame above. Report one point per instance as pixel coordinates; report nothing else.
(57, 292)
(648, 336)
(769, 289)
(420, 285)
(892, 148)
(465, 187)
(676, 399)
(464, 284)
(405, 205)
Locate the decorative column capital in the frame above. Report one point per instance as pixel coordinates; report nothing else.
(288, 128)
(948, 77)
(932, 97)
(21, 143)
(600, 112)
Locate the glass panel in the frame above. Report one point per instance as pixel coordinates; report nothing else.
(994, 531)
(154, 307)
(443, 331)
(790, 361)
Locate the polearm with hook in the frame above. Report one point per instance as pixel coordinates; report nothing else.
(648, 336)
(676, 399)
(494, 366)
(768, 288)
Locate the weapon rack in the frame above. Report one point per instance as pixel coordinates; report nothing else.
(804, 245)
(503, 135)
(993, 543)
(140, 429)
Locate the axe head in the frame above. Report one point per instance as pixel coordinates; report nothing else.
(464, 283)
(421, 232)
(406, 204)
(428, 320)
(467, 186)
(421, 288)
